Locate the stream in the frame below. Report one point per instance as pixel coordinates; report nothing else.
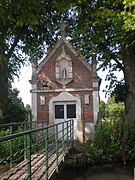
(99, 172)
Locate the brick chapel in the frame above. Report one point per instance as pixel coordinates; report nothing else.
(65, 86)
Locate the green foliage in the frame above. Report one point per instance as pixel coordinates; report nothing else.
(114, 110)
(102, 109)
(107, 144)
(4, 145)
(28, 108)
(129, 140)
(27, 28)
(17, 146)
(128, 15)
(16, 109)
(109, 37)
(120, 92)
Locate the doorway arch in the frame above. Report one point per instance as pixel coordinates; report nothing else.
(65, 98)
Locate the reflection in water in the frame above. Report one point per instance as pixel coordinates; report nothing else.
(104, 172)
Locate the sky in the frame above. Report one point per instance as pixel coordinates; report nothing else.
(23, 85)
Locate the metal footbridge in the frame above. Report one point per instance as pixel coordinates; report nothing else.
(33, 152)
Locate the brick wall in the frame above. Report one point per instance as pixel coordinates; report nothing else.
(86, 109)
(81, 79)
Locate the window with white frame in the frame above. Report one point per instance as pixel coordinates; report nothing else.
(86, 98)
(42, 100)
(63, 68)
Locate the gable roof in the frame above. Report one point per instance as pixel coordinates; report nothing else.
(52, 51)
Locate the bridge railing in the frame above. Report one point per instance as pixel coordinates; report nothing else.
(35, 149)
(14, 127)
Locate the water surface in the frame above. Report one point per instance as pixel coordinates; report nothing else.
(101, 172)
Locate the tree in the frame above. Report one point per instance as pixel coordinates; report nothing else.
(119, 92)
(103, 109)
(103, 27)
(114, 111)
(26, 29)
(108, 29)
(28, 112)
(16, 110)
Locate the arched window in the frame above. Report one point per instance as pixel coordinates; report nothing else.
(63, 68)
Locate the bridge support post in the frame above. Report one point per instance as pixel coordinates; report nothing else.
(56, 140)
(63, 144)
(46, 151)
(11, 148)
(29, 156)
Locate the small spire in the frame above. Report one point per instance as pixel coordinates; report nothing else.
(94, 61)
(94, 64)
(63, 25)
(34, 62)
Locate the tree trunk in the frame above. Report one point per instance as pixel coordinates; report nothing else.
(129, 74)
(4, 74)
(3, 90)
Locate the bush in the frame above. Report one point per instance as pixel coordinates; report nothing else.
(107, 144)
(5, 147)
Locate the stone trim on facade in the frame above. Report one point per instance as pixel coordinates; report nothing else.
(63, 90)
(64, 76)
(67, 97)
(34, 103)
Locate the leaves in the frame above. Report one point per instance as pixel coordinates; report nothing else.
(16, 109)
(129, 15)
(27, 28)
(101, 27)
(120, 92)
(107, 145)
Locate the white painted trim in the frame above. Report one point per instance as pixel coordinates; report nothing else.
(34, 103)
(86, 98)
(42, 100)
(62, 90)
(67, 97)
(76, 53)
(89, 131)
(95, 104)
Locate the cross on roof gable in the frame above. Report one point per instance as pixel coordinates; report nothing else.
(63, 25)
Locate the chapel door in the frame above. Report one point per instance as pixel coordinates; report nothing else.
(64, 111)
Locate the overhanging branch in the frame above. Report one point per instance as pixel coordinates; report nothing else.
(10, 52)
(119, 65)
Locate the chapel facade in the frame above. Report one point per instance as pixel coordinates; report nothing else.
(65, 86)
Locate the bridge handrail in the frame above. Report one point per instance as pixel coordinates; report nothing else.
(12, 136)
(15, 123)
(28, 136)
(17, 126)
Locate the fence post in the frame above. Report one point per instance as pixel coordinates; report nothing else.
(63, 150)
(67, 130)
(72, 121)
(25, 140)
(46, 151)
(29, 156)
(56, 140)
(134, 173)
(11, 148)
